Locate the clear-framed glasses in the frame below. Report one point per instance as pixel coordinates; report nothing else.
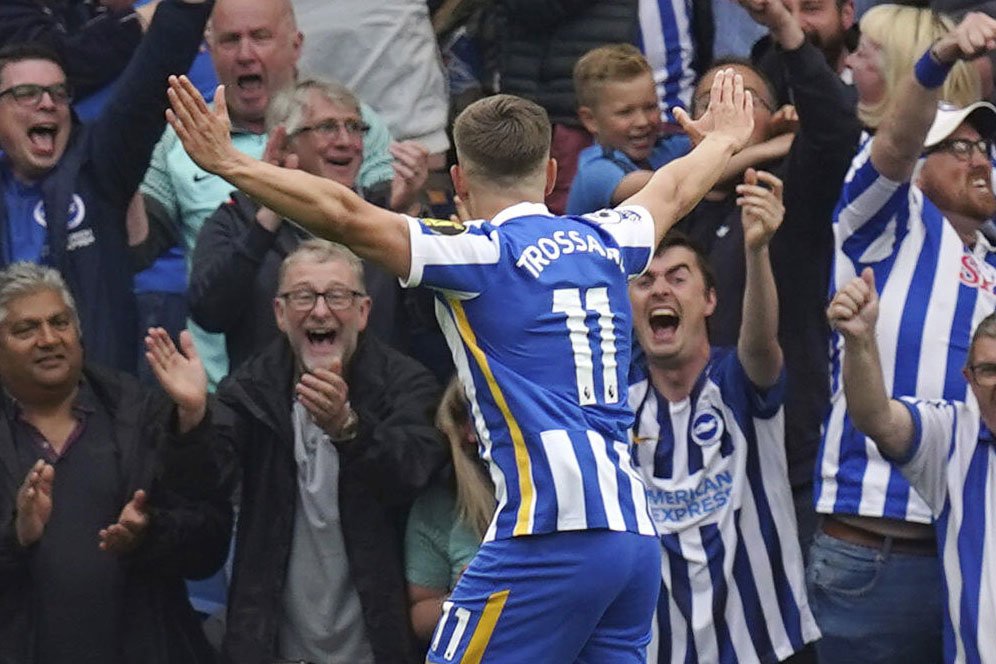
(30, 94)
(701, 103)
(336, 299)
(962, 148)
(331, 128)
(984, 373)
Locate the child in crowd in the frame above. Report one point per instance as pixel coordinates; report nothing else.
(447, 522)
(618, 104)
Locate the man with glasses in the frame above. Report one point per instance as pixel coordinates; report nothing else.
(333, 432)
(911, 209)
(946, 449)
(234, 267)
(66, 187)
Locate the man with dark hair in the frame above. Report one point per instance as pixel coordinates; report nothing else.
(709, 443)
(66, 187)
(104, 508)
(533, 307)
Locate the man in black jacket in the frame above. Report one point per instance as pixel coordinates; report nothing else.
(105, 508)
(65, 187)
(801, 251)
(333, 432)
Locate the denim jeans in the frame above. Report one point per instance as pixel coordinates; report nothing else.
(874, 606)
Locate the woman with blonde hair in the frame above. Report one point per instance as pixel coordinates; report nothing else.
(448, 521)
(893, 37)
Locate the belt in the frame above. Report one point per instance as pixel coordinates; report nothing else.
(855, 535)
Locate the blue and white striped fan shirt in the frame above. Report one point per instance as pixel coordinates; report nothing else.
(717, 483)
(666, 41)
(953, 466)
(933, 291)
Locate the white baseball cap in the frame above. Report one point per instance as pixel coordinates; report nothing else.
(981, 115)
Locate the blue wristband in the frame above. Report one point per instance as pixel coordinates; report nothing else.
(929, 72)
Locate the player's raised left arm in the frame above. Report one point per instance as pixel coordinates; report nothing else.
(323, 206)
(722, 131)
(761, 211)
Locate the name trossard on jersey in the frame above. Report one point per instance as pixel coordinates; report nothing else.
(536, 312)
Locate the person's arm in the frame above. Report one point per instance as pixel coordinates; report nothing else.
(123, 137)
(425, 608)
(853, 312)
(760, 200)
(229, 251)
(94, 47)
(323, 206)
(899, 140)
(725, 127)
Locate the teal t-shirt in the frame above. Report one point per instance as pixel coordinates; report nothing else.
(438, 546)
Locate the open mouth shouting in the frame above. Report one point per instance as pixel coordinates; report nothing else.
(42, 138)
(321, 340)
(664, 323)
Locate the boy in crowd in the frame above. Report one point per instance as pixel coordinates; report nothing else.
(618, 105)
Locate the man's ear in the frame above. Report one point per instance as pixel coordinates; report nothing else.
(459, 181)
(587, 118)
(551, 175)
(279, 314)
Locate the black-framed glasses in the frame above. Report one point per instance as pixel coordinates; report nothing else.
(984, 373)
(30, 94)
(330, 128)
(305, 299)
(962, 148)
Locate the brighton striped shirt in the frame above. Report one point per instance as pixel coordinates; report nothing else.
(953, 466)
(732, 573)
(536, 312)
(933, 291)
(666, 41)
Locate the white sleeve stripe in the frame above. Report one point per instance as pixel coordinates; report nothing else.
(866, 206)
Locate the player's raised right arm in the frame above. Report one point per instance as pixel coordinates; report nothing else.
(720, 133)
(323, 206)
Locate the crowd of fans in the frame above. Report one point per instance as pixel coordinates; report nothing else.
(821, 480)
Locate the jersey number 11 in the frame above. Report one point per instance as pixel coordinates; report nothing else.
(567, 301)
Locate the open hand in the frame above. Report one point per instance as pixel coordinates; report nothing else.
(181, 374)
(730, 113)
(125, 535)
(205, 133)
(34, 503)
(854, 309)
(761, 207)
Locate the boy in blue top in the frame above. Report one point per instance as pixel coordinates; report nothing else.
(619, 107)
(534, 307)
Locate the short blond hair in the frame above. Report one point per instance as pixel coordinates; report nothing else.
(606, 64)
(904, 34)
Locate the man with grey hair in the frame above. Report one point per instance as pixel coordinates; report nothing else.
(316, 126)
(333, 432)
(105, 508)
(255, 47)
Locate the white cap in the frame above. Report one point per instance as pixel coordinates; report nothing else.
(981, 115)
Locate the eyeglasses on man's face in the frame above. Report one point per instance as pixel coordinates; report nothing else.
(305, 299)
(331, 128)
(962, 148)
(30, 94)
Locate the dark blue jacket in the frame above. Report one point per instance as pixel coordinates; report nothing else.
(100, 171)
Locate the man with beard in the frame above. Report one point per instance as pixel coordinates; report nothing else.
(874, 568)
(827, 25)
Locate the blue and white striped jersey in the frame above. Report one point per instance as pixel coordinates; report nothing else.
(665, 38)
(536, 311)
(953, 466)
(717, 483)
(933, 291)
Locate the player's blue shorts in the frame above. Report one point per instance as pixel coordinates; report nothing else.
(577, 596)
